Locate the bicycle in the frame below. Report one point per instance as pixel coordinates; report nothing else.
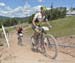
(20, 36)
(50, 48)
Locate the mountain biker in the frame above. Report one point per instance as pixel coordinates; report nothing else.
(38, 21)
(19, 31)
(20, 34)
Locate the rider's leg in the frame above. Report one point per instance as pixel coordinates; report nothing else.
(42, 44)
(36, 37)
(19, 39)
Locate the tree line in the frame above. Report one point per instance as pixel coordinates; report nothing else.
(52, 14)
(11, 21)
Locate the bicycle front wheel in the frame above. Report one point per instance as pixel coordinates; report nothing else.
(51, 46)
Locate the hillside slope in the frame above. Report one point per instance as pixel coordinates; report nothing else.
(63, 27)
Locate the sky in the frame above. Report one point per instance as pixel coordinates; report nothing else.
(23, 8)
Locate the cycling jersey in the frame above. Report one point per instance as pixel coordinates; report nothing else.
(39, 18)
(20, 30)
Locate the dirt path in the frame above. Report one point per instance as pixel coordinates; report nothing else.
(23, 54)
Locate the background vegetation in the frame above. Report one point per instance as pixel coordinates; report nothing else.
(52, 14)
(60, 27)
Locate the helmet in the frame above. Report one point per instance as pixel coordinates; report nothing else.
(43, 8)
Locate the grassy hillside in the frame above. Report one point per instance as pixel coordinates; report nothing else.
(63, 27)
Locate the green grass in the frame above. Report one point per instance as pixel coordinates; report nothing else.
(12, 28)
(61, 27)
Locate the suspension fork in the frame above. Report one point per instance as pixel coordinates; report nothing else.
(42, 40)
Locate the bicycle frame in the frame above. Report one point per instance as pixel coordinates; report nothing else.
(47, 41)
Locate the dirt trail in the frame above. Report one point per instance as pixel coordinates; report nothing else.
(24, 54)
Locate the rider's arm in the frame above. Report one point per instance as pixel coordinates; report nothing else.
(34, 18)
(48, 23)
(33, 22)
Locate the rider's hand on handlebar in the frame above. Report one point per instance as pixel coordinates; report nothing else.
(36, 27)
(50, 27)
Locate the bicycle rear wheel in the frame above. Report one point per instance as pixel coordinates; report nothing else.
(51, 46)
(20, 40)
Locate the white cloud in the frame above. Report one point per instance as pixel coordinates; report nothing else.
(3, 13)
(8, 8)
(20, 11)
(2, 4)
(40, 0)
(16, 12)
(37, 8)
(16, 9)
